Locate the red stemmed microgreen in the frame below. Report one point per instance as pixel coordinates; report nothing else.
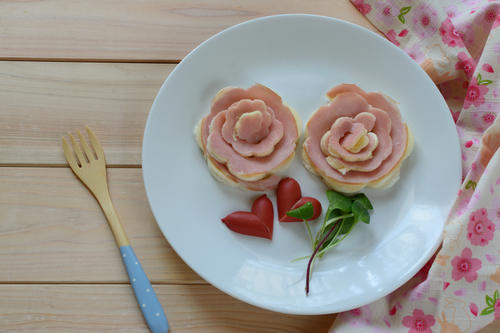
(343, 213)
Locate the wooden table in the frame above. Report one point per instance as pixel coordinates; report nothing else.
(68, 63)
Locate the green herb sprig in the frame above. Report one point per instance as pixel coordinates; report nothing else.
(343, 213)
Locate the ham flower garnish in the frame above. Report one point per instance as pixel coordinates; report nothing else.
(248, 136)
(357, 140)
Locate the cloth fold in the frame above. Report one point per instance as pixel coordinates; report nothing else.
(458, 44)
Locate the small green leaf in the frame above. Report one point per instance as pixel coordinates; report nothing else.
(347, 225)
(304, 212)
(334, 220)
(360, 212)
(479, 78)
(333, 235)
(339, 201)
(487, 311)
(484, 82)
(332, 213)
(496, 295)
(489, 301)
(401, 19)
(405, 10)
(470, 184)
(364, 200)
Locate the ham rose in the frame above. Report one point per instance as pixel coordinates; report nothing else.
(248, 136)
(357, 140)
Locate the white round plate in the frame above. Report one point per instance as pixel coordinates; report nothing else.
(300, 57)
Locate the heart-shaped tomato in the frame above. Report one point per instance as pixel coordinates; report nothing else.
(257, 223)
(289, 196)
(263, 208)
(302, 201)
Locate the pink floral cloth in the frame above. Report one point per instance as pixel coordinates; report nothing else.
(457, 42)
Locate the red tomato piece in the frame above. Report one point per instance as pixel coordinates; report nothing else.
(287, 194)
(263, 208)
(258, 223)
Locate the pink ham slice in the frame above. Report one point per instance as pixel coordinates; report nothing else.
(353, 136)
(363, 123)
(371, 159)
(254, 128)
(339, 129)
(366, 119)
(255, 136)
(348, 101)
(250, 169)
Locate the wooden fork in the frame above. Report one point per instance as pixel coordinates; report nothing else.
(89, 166)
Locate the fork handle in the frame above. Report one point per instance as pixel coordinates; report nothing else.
(146, 297)
(114, 222)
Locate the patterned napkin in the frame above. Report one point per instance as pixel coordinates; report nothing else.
(457, 42)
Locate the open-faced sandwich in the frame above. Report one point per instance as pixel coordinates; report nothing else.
(358, 140)
(248, 137)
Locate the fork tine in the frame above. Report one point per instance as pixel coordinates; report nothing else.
(77, 150)
(86, 148)
(95, 144)
(69, 155)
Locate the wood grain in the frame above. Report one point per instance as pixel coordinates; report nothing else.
(53, 230)
(112, 308)
(42, 101)
(149, 30)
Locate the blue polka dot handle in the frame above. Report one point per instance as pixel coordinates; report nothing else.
(146, 297)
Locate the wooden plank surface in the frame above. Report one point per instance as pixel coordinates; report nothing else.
(112, 308)
(149, 30)
(41, 101)
(52, 230)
